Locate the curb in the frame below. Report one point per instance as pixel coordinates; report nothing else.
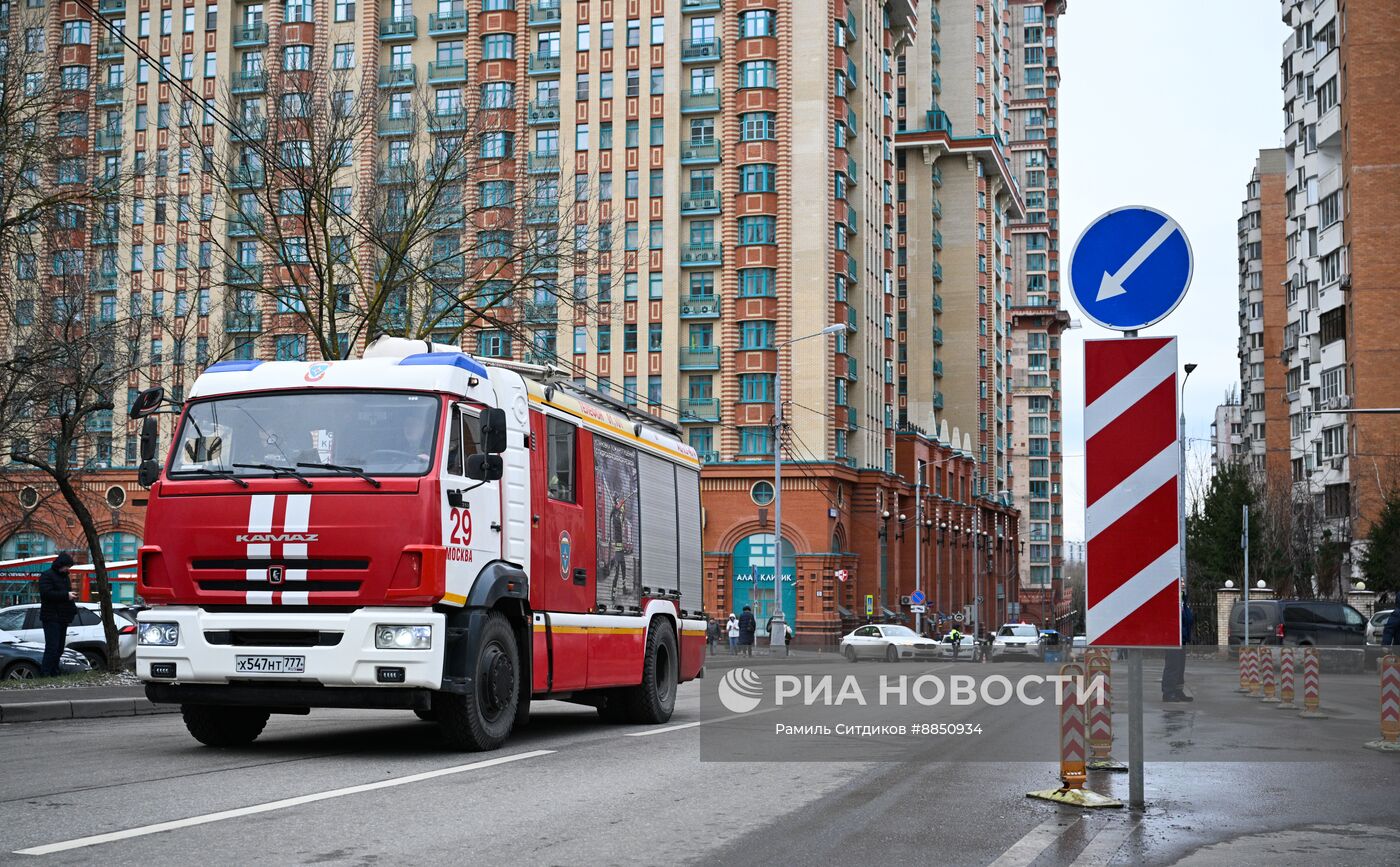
(87, 708)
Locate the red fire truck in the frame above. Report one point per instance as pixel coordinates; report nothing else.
(415, 529)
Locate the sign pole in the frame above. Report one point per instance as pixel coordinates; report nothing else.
(1136, 801)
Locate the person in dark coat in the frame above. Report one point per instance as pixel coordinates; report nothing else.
(1174, 667)
(56, 610)
(1390, 635)
(747, 627)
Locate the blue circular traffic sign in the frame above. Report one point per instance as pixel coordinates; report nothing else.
(1130, 268)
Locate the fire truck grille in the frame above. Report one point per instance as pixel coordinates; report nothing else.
(311, 585)
(241, 564)
(272, 637)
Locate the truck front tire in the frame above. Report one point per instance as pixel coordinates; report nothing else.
(223, 726)
(481, 718)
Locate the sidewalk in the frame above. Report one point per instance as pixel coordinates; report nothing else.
(76, 702)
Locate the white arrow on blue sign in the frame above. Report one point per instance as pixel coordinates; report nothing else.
(917, 597)
(1130, 268)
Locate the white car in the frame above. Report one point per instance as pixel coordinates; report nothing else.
(1017, 639)
(965, 649)
(890, 643)
(85, 633)
(1375, 627)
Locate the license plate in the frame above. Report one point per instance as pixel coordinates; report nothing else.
(270, 664)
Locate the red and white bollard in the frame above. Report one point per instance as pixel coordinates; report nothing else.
(1073, 748)
(1266, 675)
(1244, 670)
(1389, 667)
(1312, 686)
(1285, 678)
(1254, 671)
(1100, 712)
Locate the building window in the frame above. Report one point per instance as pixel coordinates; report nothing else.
(755, 440)
(758, 73)
(757, 178)
(756, 126)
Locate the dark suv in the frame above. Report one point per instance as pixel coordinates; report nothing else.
(1305, 622)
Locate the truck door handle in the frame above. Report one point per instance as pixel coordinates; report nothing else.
(580, 577)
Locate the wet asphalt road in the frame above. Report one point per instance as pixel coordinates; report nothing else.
(361, 787)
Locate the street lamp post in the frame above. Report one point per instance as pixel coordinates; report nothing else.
(1181, 478)
(778, 622)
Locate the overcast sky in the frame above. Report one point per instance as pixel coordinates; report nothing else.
(1165, 105)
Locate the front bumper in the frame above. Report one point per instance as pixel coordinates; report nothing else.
(353, 661)
(1027, 651)
(917, 652)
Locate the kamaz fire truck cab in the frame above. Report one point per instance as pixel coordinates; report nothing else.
(415, 529)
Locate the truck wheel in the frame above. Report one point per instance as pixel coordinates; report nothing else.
(223, 726)
(653, 700)
(481, 719)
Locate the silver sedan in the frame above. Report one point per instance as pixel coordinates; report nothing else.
(890, 643)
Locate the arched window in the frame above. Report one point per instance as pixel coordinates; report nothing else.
(119, 546)
(22, 545)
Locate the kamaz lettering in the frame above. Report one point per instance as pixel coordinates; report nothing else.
(276, 537)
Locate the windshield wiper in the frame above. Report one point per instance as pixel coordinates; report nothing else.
(342, 468)
(218, 474)
(277, 471)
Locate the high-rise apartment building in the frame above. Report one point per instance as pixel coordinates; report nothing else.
(1227, 440)
(1263, 408)
(701, 187)
(1341, 165)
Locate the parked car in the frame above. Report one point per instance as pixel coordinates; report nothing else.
(1376, 627)
(887, 642)
(1306, 622)
(1078, 645)
(20, 660)
(1017, 639)
(85, 633)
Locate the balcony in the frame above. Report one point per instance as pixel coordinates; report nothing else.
(399, 174)
(541, 311)
(447, 24)
(541, 263)
(542, 213)
(447, 120)
(700, 202)
(249, 82)
(938, 271)
(938, 367)
(938, 303)
(112, 7)
(250, 35)
(250, 129)
(393, 77)
(108, 140)
(700, 307)
(542, 357)
(245, 178)
(695, 50)
(109, 94)
(447, 217)
(935, 19)
(242, 321)
(249, 274)
(110, 49)
(246, 227)
(104, 281)
(404, 125)
(936, 208)
(701, 5)
(544, 13)
(435, 169)
(694, 152)
(104, 235)
(446, 73)
(699, 409)
(695, 255)
(398, 27)
(693, 101)
(936, 176)
(938, 400)
(937, 240)
(544, 111)
(699, 358)
(938, 337)
(544, 64)
(543, 163)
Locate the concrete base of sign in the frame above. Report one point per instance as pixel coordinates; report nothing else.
(1105, 765)
(1075, 798)
(1384, 746)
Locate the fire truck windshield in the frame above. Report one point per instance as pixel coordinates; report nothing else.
(379, 433)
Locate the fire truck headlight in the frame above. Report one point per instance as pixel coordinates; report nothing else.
(393, 637)
(160, 634)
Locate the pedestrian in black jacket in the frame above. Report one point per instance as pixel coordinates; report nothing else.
(56, 611)
(747, 627)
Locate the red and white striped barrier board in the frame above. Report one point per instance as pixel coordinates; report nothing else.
(1266, 674)
(1285, 678)
(1072, 741)
(1132, 469)
(1253, 670)
(1389, 667)
(1244, 670)
(1312, 685)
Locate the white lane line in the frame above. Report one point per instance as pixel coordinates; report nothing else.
(1104, 845)
(703, 722)
(1029, 847)
(98, 839)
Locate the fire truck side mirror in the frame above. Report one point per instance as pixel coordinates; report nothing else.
(485, 468)
(150, 468)
(146, 402)
(493, 431)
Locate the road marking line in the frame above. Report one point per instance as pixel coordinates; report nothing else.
(1029, 847)
(702, 722)
(1104, 845)
(98, 839)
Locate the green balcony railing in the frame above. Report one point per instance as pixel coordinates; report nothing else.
(249, 273)
(445, 23)
(249, 82)
(700, 151)
(398, 27)
(699, 409)
(242, 321)
(544, 63)
(544, 110)
(699, 357)
(108, 140)
(700, 307)
(545, 162)
(250, 35)
(699, 49)
(700, 100)
(702, 200)
(403, 125)
(700, 254)
(439, 73)
(545, 12)
(398, 76)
